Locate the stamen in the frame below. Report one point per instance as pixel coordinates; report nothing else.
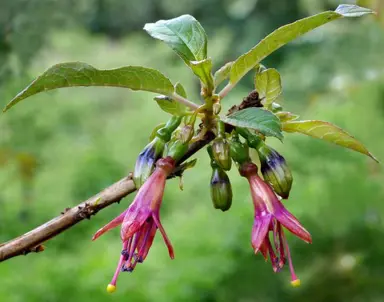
(132, 248)
(149, 241)
(275, 235)
(144, 244)
(272, 255)
(135, 261)
(124, 268)
(295, 281)
(129, 245)
(280, 248)
(125, 254)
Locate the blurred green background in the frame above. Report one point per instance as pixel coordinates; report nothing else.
(61, 147)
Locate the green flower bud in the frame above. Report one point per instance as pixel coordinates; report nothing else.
(239, 152)
(275, 170)
(221, 190)
(146, 161)
(221, 153)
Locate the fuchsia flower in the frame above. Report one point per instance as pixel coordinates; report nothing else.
(271, 215)
(140, 221)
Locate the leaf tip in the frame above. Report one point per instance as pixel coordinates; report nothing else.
(146, 25)
(352, 10)
(373, 157)
(280, 137)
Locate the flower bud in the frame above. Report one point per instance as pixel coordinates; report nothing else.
(239, 152)
(221, 153)
(275, 170)
(216, 108)
(146, 161)
(221, 190)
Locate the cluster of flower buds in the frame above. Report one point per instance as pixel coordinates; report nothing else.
(140, 222)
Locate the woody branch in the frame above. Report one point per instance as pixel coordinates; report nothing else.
(33, 240)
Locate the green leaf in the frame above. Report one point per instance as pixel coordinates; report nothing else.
(171, 106)
(203, 69)
(285, 116)
(258, 119)
(183, 34)
(287, 33)
(222, 74)
(328, 132)
(268, 85)
(81, 74)
(180, 90)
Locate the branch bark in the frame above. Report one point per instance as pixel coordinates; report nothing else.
(33, 240)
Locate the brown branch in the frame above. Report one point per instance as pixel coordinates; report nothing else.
(33, 240)
(30, 241)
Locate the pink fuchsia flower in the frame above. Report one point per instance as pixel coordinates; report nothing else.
(270, 216)
(140, 221)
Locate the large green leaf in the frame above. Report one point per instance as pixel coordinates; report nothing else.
(81, 74)
(287, 33)
(258, 119)
(268, 85)
(328, 132)
(203, 69)
(183, 34)
(171, 106)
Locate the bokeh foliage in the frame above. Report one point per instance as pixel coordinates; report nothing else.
(77, 141)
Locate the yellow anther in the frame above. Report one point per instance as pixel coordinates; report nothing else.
(295, 283)
(111, 288)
